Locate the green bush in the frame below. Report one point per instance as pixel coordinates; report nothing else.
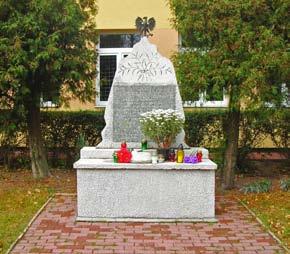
(204, 128)
(65, 132)
(257, 187)
(12, 135)
(62, 129)
(253, 132)
(277, 126)
(285, 184)
(62, 132)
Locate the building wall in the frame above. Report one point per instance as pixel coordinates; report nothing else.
(121, 14)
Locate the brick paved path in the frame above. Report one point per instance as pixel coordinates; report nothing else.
(55, 231)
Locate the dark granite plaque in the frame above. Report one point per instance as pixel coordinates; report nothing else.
(132, 100)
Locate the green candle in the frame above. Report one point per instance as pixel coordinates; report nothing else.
(144, 145)
(115, 157)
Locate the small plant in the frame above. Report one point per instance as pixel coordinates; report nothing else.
(257, 187)
(285, 184)
(162, 126)
(80, 143)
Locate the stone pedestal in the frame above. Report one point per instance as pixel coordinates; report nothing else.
(144, 192)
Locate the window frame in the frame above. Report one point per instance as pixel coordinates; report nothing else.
(119, 52)
(46, 104)
(203, 103)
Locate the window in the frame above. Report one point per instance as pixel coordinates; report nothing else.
(112, 48)
(118, 40)
(207, 99)
(108, 66)
(47, 101)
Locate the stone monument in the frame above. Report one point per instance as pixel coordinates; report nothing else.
(167, 191)
(144, 81)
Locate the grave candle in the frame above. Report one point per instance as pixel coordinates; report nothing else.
(124, 155)
(171, 155)
(144, 145)
(180, 154)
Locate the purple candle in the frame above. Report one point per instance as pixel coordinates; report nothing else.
(187, 159)
(194, 159)
(190, 159)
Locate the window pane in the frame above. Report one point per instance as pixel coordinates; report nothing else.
(108, 66)
(49, 99)
(119, 40)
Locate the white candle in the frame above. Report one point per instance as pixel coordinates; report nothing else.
(154, 159)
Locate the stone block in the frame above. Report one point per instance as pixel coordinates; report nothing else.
(145, 192)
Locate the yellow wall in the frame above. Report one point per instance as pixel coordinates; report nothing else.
(166, 41)
(75, 105)
(121, 14)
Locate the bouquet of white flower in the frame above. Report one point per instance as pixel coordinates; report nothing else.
(161, 126)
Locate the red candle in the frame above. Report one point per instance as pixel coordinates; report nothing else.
(199, 156)
(124, 155)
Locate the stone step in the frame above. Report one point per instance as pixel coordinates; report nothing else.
(108, 164)
(91, 152)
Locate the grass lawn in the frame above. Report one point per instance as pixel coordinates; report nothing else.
(273, 209)
(21, 197)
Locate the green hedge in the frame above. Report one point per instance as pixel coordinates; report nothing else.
(65, 131)
(204, 128)
(62, 129)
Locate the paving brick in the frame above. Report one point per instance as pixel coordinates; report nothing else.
(55, 231)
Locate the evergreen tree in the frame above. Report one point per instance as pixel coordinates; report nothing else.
(47, 49)
(241, 46)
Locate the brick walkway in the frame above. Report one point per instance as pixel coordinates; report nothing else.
(55, 231)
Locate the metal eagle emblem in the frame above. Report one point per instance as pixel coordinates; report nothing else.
(145, 25)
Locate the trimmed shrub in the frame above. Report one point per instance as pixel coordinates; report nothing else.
(63, 129)
(65, 132)
(12, 136)
(204, 128)
(257, 187)
(285, 184)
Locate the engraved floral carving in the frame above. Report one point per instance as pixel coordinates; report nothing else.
(145, 65)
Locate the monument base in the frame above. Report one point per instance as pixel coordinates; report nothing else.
(166, 192)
